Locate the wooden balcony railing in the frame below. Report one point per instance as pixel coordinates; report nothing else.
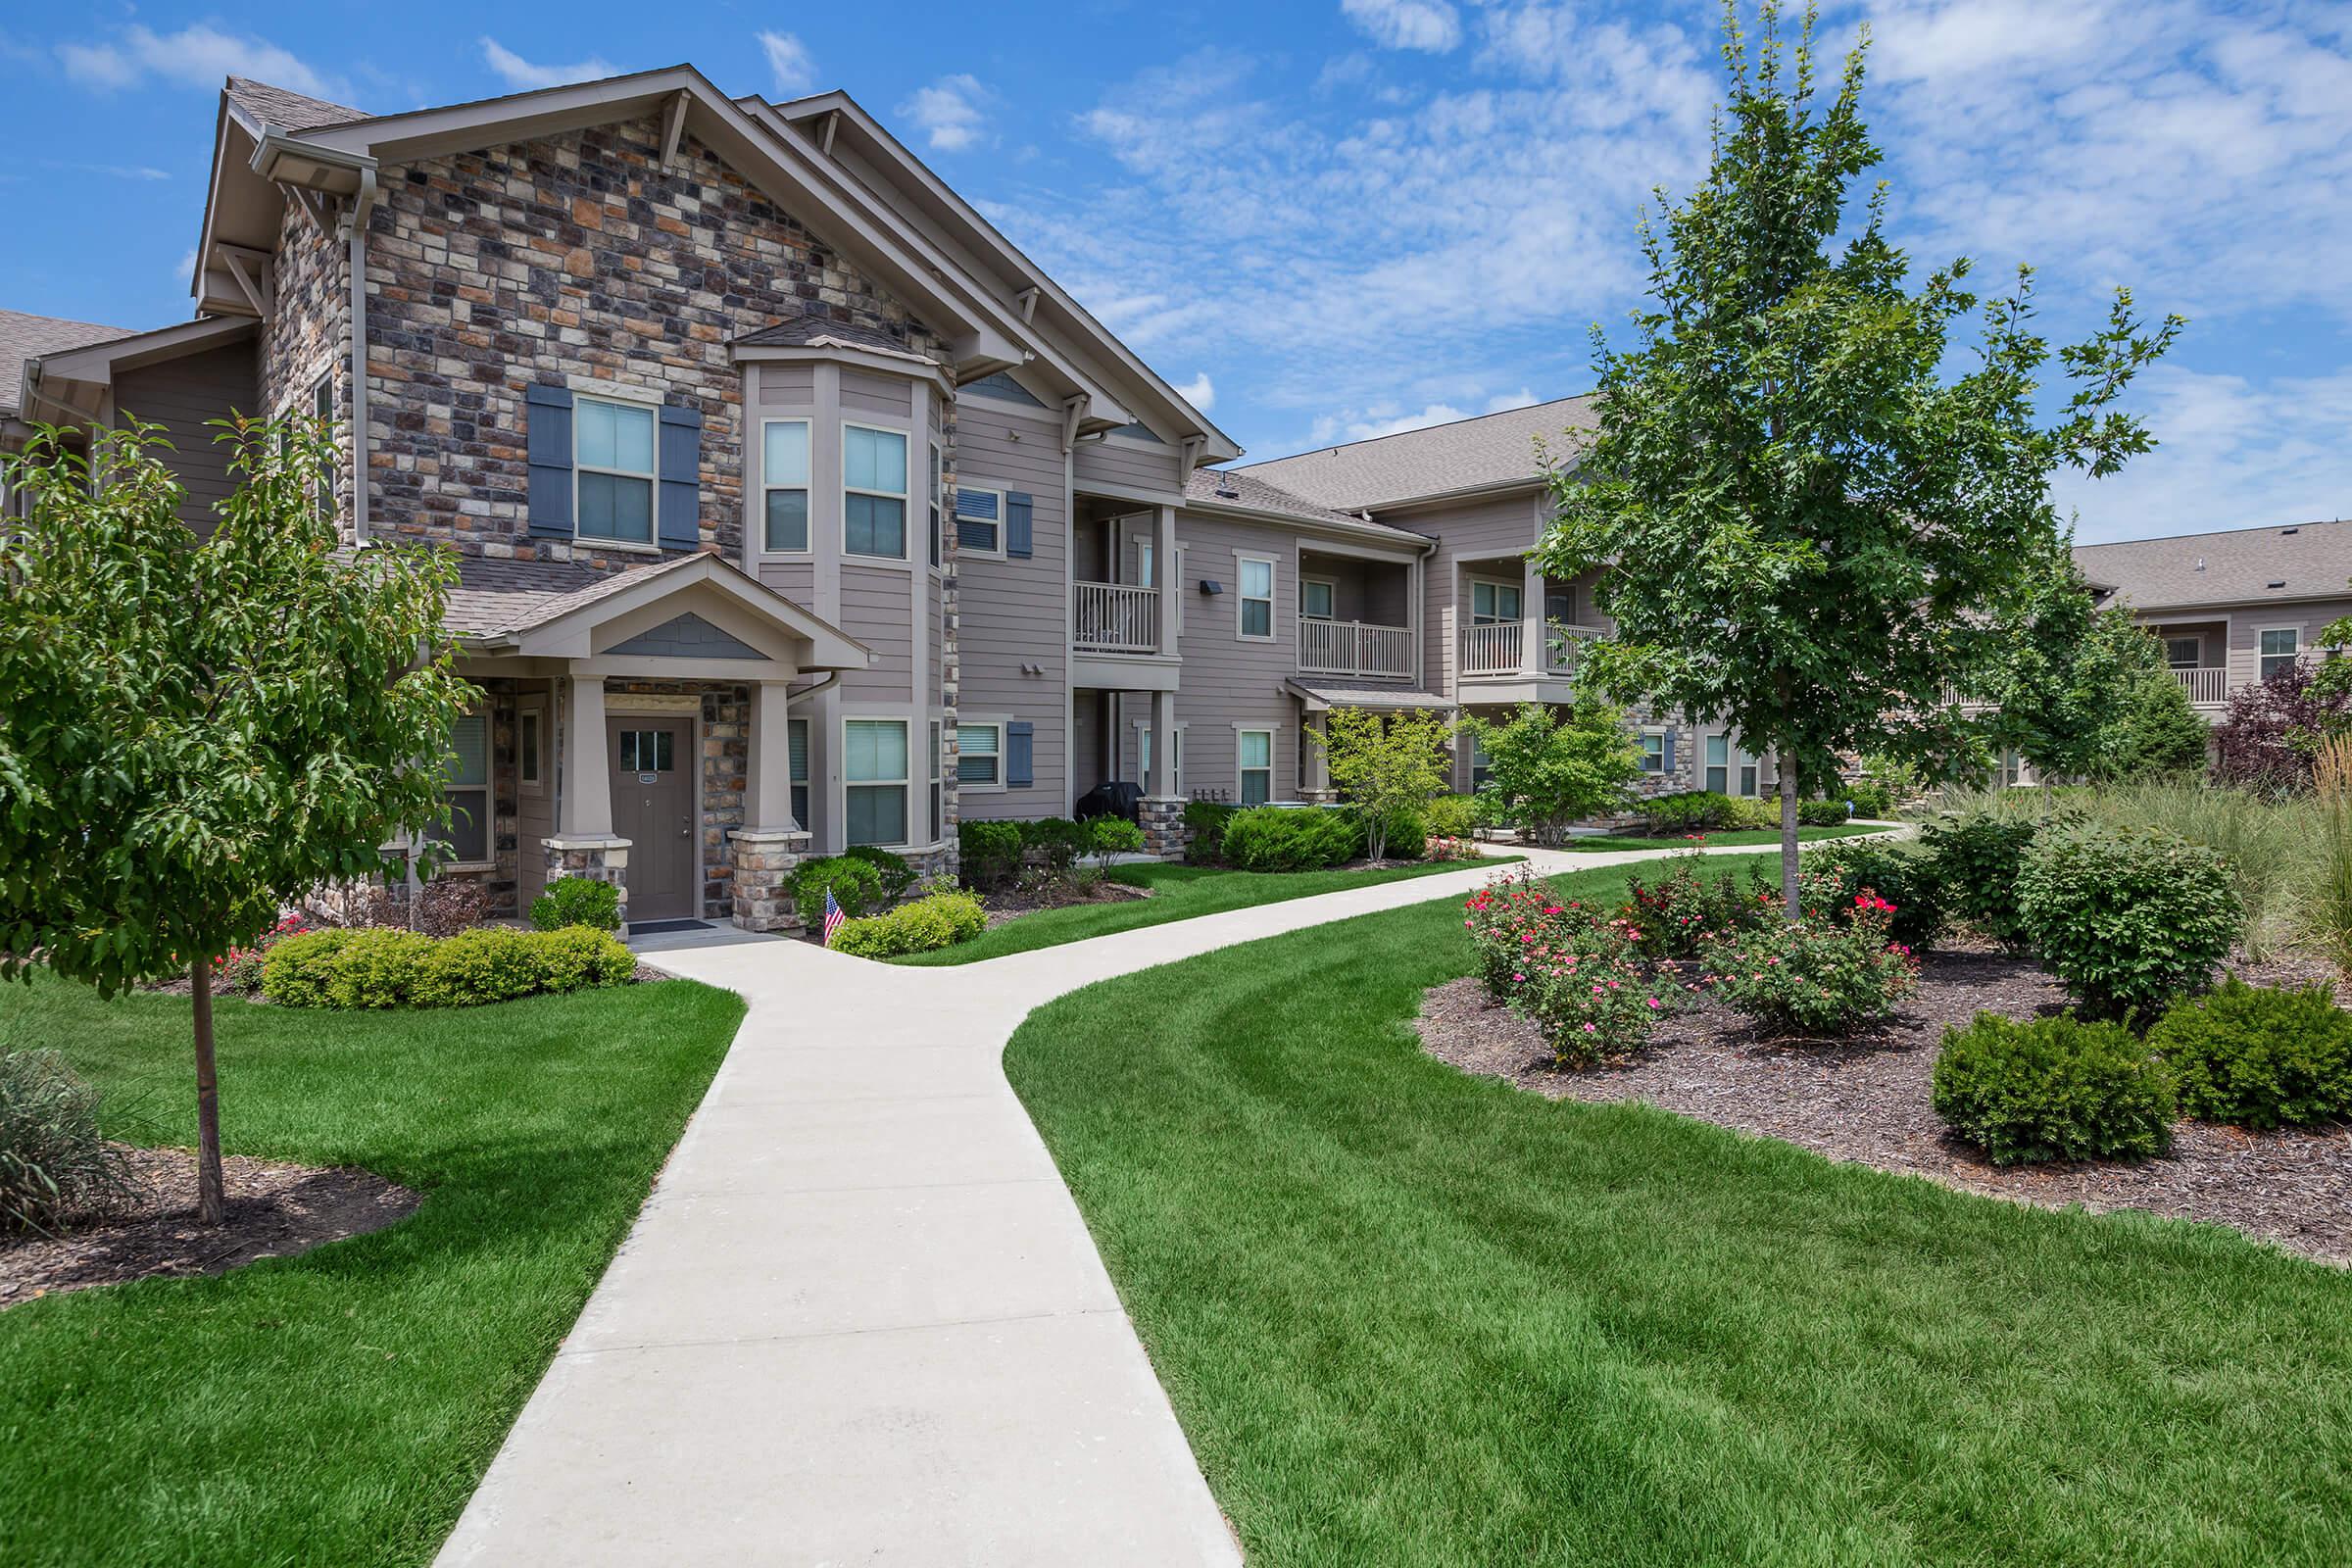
(2210, 687)
(1116, 618)
(1354, 648)
(1500, 649)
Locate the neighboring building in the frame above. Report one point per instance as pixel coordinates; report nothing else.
(795, 508)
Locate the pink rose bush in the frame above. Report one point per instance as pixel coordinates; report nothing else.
(1818, 976)
(1577, 976)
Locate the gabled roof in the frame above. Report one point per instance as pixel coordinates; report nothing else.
(269, 105)
(1492, 452)
(2236, 566)
(26, 337)
(499, 604)
(1230, 490)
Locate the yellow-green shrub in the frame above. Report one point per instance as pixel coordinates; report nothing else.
(941, 920)
(381, 968)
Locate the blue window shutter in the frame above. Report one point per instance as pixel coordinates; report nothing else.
(1020, 753)
(1016, 526)
(547, 434)
(681, 473)
(1666, 764)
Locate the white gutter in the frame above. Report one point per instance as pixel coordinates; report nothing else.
(355, 226)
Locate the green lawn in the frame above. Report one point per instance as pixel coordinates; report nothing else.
(338, 1408)
(1717, 840)
(1179, 893)
(1410, 1317)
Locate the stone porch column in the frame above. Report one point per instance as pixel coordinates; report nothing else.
(1160, 814)
(771, 847)
(584, 843)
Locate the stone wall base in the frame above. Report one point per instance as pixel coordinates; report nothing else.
(765, 860)
(598, 857)
(1161, 817)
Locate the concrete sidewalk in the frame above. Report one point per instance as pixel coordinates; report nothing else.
(860, 1319)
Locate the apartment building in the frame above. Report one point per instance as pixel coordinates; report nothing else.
(795, 509)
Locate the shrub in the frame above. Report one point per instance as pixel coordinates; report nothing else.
(1406, 837)
(1057, 841)
(2129, 920)
(1869, 797)
(1687, 910)
(577, 901)
(1896, 872)
(893, 873)
(1450, 816)
(441, 906)
(1450, 849)
(54, 1161)
(1205, 830)
(1823, 813)
(988, 853)
(2260, 1057)
(1552, 765)
(939, 920)
(2265, 740)
(1272, 838)
(1822, 977)
(1108, 836)
(1589, 995)
(1687, 811)
(853, 884)
(1974, 861)
(1515, 921)
(2057, 1087)
(239, 971)
(376, 969)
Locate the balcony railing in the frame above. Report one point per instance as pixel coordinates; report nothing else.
(2210, 687)
(1498, 649)
(1116, 618)
(1354, 648)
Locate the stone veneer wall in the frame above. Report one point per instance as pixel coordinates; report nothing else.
(573, 255)
(309, 332)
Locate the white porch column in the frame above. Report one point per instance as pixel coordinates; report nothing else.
(1316, 785)
(769, 791)
(587, 804)
(1533, 653)
(1160, 783)
(1163, 578)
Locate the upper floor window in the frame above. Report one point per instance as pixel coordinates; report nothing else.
(1492, 604)
(2183, 653)
(873, 482)
(1315, 599)
(2280, 647)
(1256, 577)
(979, 522)
(784, 475)
(612, 463)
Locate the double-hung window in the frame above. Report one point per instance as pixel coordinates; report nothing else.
(465, 824)
(1654, 751)
(2183, 653)
(1493, 604)
(1718, 763)
(874, 756)
(980, 755)
(1142, 756)
(613, 465)
(979, 522)
(2280, 647)
(1256, 577)
(874, 501)
(796, 732)
(1256, 747)
(784, 477)
(939, 547)
(1315, 599)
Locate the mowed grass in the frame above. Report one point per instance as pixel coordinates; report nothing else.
(1411, 1317)
(338, 1408)
(1179, 893)
(1729, 836)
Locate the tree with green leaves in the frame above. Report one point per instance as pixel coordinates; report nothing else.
(194, 733)
(1548, 768)
(1387, 766)
(2086, 693)
(1809, 527)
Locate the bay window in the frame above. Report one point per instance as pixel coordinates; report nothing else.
(874, 755)
(873, 501)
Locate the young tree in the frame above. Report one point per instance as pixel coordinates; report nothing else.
(1385, 766)
(1808, 525)
(2084, 693)
(1550, 769)
(194, 733)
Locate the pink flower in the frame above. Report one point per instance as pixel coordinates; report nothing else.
(1587, 1028)
(1654, 1001)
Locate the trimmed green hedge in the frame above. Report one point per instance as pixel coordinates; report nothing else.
(854, 885)
(577, 901)
(2130, 919)
(1274, 838)
(383, 969)
(928, 924)
(2057, 1087)
(2260, 1057)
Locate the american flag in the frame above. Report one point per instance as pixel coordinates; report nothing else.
(833, 917)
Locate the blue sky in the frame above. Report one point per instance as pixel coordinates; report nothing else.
(1329, 219)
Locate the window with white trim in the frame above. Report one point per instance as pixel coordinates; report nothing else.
(1143, 565)
(465, 824)
(2183, 653)
(939, 537)
(873, 492)
(1717, 775)
(796, 732)
(1143, 754)
(1254, 576)
(1493, 604)
(980, 755)
(784, 481)
(1654, 751)
(1255, 748)
(874, 756)
(979, 522)
(1316, 598)
(2281, 645)
(612, 469)
(939, 790)
(530, 748)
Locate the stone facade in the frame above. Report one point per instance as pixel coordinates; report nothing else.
(1161, 817)
(308, 335)
(763, 863)
(601, 860)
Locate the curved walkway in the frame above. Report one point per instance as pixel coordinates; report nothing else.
(860, 1320)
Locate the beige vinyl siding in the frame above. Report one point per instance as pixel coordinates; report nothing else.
(1011, 611)
(182, 395)
(866, 393)
(1124, 467)
(796, 581)
(1226, 680)
(789, 388)
(1468, 530)
(875, 610)
(2247, 623)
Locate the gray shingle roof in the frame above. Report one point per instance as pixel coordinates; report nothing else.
(1340, 694)
(494, 597)
(2304, 561)
(1231, 487)
(288, 111)
(1495, 449)
(803, 330)
(27, 337)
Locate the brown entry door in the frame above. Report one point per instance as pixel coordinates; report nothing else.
(653, 808)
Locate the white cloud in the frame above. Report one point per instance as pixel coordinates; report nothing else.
(196, 56)
(1199, 392)
(1428, 25)
(187, 271)
(1502, 402)
(952, 112)
(524, 75)
(789, 63)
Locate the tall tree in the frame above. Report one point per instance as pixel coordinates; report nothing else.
(193, 733)
(2086, 693)
(1809, 525)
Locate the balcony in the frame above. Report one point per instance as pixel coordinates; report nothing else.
(2206, 687)
(1115, 617)
(1498, 649)
(1354, 648)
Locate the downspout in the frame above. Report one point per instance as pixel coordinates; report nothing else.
(354, 224)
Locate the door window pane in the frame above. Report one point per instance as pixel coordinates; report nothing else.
(465, 824)
(647, 751)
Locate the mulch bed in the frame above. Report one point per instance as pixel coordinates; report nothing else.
(1061, 893)
(1867, 1100)
(274, 1210)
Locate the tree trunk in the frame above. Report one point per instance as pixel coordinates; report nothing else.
(209, 1200)
(1788, 894)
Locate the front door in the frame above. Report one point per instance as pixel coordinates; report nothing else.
(653, 808)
